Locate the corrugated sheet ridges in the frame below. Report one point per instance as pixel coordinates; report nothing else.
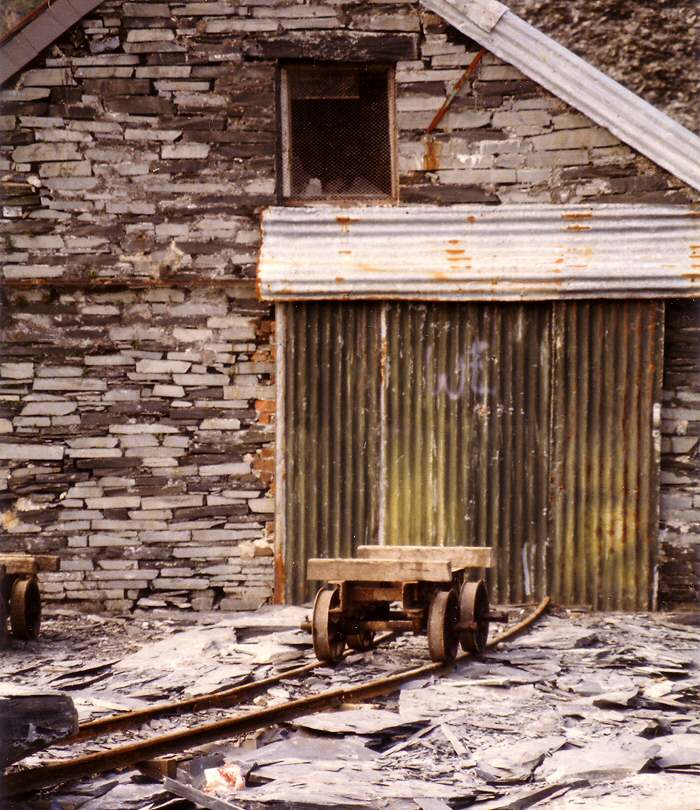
(524, 427)
(331, 415)
(480, 253)
(608, 360)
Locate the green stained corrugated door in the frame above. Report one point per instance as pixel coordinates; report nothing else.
(477, 424)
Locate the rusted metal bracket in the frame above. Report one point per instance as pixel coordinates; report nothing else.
(458, 85)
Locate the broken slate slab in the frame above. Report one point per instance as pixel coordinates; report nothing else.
(600, 760)
(31, 720)
(361, 721)
(311, 747)
(514, 762)
(678, 751)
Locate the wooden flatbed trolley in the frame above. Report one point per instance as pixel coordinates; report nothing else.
(431, 584)
(20, 598)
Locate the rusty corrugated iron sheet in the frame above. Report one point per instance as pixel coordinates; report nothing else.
(608, 360)
(605, 101)
(525, 427)
(490, 253)
(331, 441)
(466, 434)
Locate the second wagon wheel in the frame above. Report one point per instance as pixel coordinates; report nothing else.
(474, 616)
(329, 639)
(3, 622)
(443, 637)
(25, 608)
(360, 640)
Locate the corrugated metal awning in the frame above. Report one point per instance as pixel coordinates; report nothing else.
(480, 253)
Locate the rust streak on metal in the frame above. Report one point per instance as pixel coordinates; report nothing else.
(345, 223)
(7, 36)
(431, 156)
(577, 215)
(440, 114)
(578, 228)
(123, 756)
(280, 574)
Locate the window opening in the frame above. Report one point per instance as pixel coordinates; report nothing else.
(337, 133)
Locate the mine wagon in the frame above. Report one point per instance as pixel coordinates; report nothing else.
(430, 585)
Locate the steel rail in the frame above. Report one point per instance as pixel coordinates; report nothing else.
(46, 775)
(210, 700)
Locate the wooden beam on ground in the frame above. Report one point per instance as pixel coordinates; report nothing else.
(379, 570)
(458, 556)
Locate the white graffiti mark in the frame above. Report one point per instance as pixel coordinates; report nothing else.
(468, 371)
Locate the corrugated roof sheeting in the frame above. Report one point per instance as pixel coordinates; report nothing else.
(577, 82)
(488, 253)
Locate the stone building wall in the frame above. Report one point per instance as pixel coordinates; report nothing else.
(137, 372)
(680, 469)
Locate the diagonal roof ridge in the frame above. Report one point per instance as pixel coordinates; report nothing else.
(605, 101)
(41, 27)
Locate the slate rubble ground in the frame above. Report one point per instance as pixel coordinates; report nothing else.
(137, 386)
(584, 710)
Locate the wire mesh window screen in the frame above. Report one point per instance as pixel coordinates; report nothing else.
(338, 139)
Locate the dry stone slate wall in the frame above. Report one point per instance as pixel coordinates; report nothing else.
(680, 473)
(137, 373)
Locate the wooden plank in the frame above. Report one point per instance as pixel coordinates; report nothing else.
(198, 797)
(28, 563)
(348, 46)
(379, 570)
(458, 556)
(46, 562)
(18, 564)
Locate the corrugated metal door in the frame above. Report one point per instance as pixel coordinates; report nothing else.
(608, 363)
(466, 433)
(331, 438)
(477, 424)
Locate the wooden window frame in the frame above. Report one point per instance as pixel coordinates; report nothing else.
(284, 141)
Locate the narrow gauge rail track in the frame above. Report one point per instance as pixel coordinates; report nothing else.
(122, 756)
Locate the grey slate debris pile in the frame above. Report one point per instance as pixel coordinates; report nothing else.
(585, 710)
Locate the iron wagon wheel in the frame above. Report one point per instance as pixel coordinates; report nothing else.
(329, 639)
(360, 640)
(474, 616)
(25, 608)
(443, 637)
